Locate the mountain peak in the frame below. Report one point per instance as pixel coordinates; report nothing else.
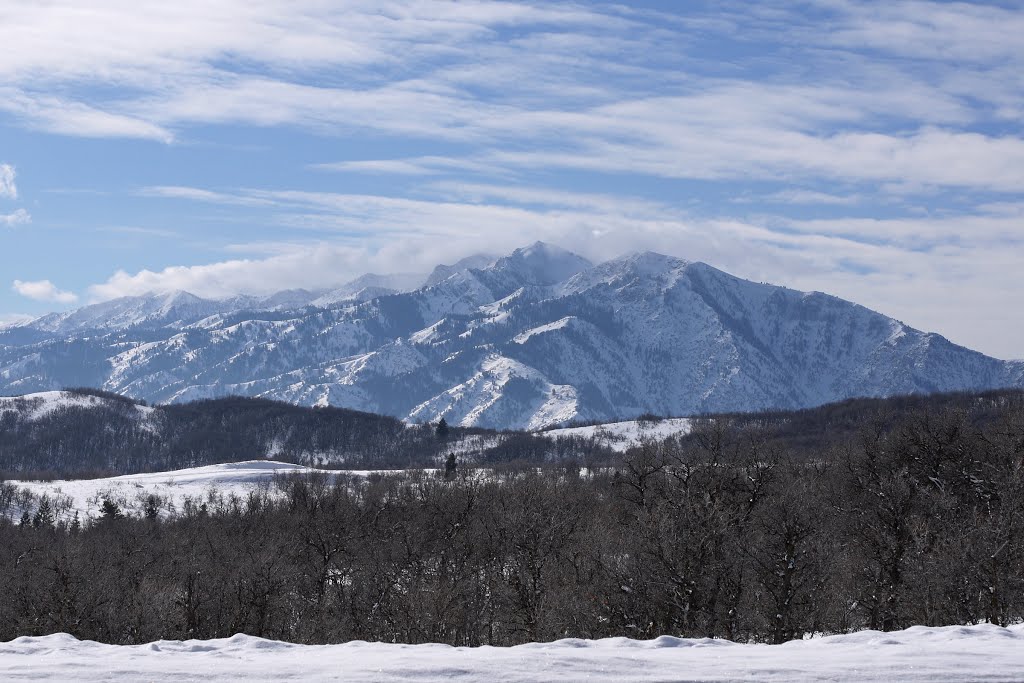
(644, 268)
(177, 297)
(444, 271)
(542, 264)
(652, 262)
(541, 247)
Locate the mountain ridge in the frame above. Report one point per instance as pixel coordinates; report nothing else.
(538, 337)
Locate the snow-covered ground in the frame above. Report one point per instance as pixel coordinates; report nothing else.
(621, 436)
(45, 402)
(131, 491)
(953, 653)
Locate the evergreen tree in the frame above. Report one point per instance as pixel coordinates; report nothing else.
(450, 467)
(44, 514)
(110, 510)
(441, 430)
(152, 508)
(76, 524)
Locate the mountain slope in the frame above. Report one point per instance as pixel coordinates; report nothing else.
(535, 338)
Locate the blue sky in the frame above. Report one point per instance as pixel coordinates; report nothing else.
(870, 150)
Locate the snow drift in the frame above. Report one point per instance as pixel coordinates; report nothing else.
(954, 653)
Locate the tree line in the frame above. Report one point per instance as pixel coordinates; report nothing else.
(916, 518)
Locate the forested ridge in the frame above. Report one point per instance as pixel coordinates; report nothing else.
(117, 435)
(914, 515)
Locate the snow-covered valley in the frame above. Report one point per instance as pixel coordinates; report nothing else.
(951, 654)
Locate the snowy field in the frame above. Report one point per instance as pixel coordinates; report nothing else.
(198, 483)
(130, 492)
(621, 436)
(974, 653)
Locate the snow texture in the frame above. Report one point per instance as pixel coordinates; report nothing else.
(621, 436)
(46, 402)
(936, 655)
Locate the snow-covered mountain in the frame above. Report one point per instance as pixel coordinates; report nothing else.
(535, 338)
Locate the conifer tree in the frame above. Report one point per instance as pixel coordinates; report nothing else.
(109, 510)
(44, 514)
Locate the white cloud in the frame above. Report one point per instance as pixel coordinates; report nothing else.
(961, 31)
(43, 290)
(7, 187)
(57, 115)
(159, 64)
(19, 217)
(677, 149)
(595, 87)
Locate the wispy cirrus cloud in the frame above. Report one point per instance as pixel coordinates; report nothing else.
(805, 197)
(40, 111)
(201, 195)
(586, 87)
(415, 166)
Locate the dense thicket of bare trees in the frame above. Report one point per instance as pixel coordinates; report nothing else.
(918, 519)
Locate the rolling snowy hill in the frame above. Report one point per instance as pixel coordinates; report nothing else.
(537, 338)
(171, 489)
(621, 436)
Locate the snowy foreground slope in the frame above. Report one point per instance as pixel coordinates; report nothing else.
(954, 653)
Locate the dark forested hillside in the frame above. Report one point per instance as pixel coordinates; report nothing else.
(86, 432)
(813, 432)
